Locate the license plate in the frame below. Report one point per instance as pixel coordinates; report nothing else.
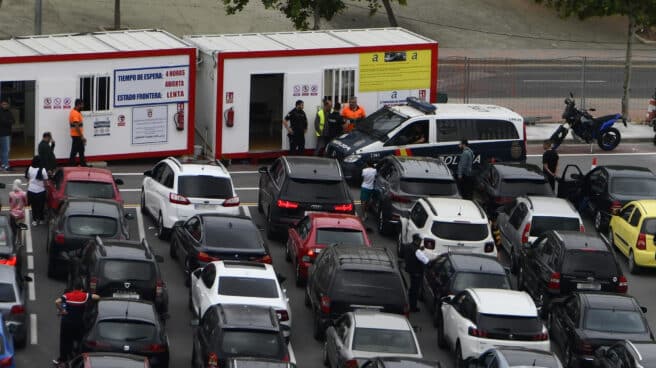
(205, 206)
(318, 250)
(588, 286)
(126, 295)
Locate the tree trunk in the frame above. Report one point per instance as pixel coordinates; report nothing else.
(117, 14)
(317, 15)
(627, 68)
(390, 13)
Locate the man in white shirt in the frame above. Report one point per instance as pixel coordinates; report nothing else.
(367, 187)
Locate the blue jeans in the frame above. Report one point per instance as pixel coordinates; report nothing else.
(5, 143)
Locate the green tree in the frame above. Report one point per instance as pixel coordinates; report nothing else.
(640, 13)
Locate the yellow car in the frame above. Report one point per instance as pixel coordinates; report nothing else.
(632, 231)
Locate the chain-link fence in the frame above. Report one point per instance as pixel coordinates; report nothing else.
(538, 87)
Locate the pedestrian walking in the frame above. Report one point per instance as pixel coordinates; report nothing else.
(336, 123)
(321, 127)
(46, 152)
(464, 172)
(17, 203)
(367, 187)
(353, 113)
(75, 122)
(296, 124)
(36, 191)
(415, 260)
(71, 306)
(6, 122)
(550, 163)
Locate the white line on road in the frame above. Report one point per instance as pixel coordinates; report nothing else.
(599, 154)
(33, 334)
(28, 233)
(30, 287)
(561, 81)
(30, 262)
(140, 223)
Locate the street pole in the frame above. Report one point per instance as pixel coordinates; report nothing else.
(117, 14)
(37, 16)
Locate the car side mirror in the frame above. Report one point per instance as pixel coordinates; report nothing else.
(643, 309)
(27, 279)
(159, 258)
(129, 216)
(148, 173)
(263, 170)
(447, 299)
(22, 226)
(194, 322)
(118, 181)
(178, 223)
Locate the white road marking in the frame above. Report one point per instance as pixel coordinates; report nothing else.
(33, 334)
(140, 223)
(30, 287)
(28, 232)
(30, 262)
(561, 81)
(599, 154)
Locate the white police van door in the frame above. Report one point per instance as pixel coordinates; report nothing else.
(415, 138)
(306, 87)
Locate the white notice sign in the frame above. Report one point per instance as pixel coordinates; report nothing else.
(149, 124)
(151, 86)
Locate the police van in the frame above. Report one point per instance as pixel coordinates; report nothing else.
(419, 128)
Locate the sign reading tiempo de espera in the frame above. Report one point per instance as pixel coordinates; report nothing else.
(151, 86)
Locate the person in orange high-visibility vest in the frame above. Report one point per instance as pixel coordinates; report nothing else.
(353, 113)
(75, 121)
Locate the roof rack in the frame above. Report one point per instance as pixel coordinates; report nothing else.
(175, 161)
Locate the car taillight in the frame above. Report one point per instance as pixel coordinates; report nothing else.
(17, 309)
(399, 198)
(489, 247)
(93, 282)
(622, 284)
(585, 348)
(615, 206)
(204, 257)
(642, 242)
(282, 315)
(543, 336)
(59, 238)
(156, 348)
(582, 228)
(159, 289)
(526, 232)
(325, 304)
(287, 204)
(285, 358)
(351, 363)
(348, 207)
(231, 202)
(473, 331)
(11, 261)
(554, 282)
(6, 362)
(265, 259)
(503, 200)
(212, 360)
(178, 199)
(429, 243)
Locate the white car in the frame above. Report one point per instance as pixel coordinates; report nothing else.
(173, 191)
(447, 224)
(478, 319)
(233, 282)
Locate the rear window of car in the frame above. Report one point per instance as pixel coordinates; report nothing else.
(7, 294)
(224, 232)
(614, 320)
(3, 237)
(648, 226)
(315, 191)
(250, 287)
(540, 224)
(495, 323)
(127, 270)
(378, 340)
(92, 225)
(460, 231)
(115, 362)
(368, 283)
(641, 187)
(466, 280)
(601, 264)
(252, 344)
(126, 330)
(519, 358)
(328, 236)
(429, 187)
(204, 186)
(515, 187)
(89, 189)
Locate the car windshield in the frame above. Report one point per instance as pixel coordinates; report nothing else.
(466, 280)
(429, 187)
(7, 294)
(522, 358)
(380, 123)
(460, 231)
(328, 236)
(600, 264)
(3, 239)
(125, 330)
(92, 225)
(640, 187)
(127, 270)
(316, 191)
(224, 232)
(252, 344)
(509, 324)
(614, 320)
(249, 287)
(378, 340)
(89, 189)
(204, 186)
(540, 224)
(515, 188)
(379, 285)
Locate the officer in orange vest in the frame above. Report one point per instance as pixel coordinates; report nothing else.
(353, 113)
(321, 129)
(77, 133)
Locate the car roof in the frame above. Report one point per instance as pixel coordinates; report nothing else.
(7, 273)
(89, 206)
(73, 173)
(471, 111)
(110, 308)
(245, 269)
(456, 209)
(579, 240)
(552, 206)
(131, 249)
(609, 301)
(325, 219)
(357, 257)
(246, 316)
(647, 205)
(503, 302)
(646, 350)
(379, 320)
(628, 171)
(519, 171)
(317, 168)
(468, 262)
(423, 167)
(198, 167)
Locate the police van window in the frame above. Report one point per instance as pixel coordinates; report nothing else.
(415, 133)
(475, 129)
(380, 123)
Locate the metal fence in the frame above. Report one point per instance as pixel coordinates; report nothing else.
(538, 87)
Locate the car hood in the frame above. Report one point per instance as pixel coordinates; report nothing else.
(351, 142)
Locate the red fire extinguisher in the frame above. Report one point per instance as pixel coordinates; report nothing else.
(179, 117)
(229, 117)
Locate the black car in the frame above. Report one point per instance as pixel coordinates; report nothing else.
(234, 331)
(79, 220)
(12, 250)
(393, 362)
(402, 180)
(627, 354)
(212, 237)
(123, 269)
(582, 322)
(605, 189)
(508, 357)
(126, 326)
(345, 278)
(454, 272)
(499, 184)
(108, 360)
(293, 185)
(561, 262)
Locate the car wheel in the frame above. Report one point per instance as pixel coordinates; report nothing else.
(633, 267)
(399, 245)
(611, 238)
(383, 226)
(437, 312)
(307, 299)
(190, 303)
(513, 261)
(441, 339)
(460, 363)
(288, 256)
(567, 357)
(520, 279)
(599, 222)
(318, 331)
(162, 232)
(20, 343)
(326, 362)
(172, 251)
(188, 272)
(299, 281)
(143, 202)
(260, 209)
(271, 235)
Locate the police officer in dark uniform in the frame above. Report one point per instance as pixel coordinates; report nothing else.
(71, 307)
(415, 260)
(335, 122)
(296, 124)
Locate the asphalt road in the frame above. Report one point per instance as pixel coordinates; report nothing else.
(43, 343)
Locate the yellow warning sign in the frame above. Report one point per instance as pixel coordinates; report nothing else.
(395, 70)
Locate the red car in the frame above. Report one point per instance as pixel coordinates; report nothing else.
(316, 231)
(82, 182)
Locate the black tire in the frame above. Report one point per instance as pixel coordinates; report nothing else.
(143, 202)
(599, 222)
(634, 269)
(441, 339)
(190, 305)
(399, 246)
(288, 256)
(270, 234)
(21, 343)
(513, 262)
(187, 280)
(326, 362)
(559, 136)
(520, 279)
(162, 232)
(172, 252)
(383, 226)
(260, 209)
(306, 300)
(609, 139)
(460, 363)
(297, 274)
(318, 332)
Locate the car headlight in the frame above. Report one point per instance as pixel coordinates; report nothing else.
(352, 158)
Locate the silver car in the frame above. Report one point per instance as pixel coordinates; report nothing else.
(12, 302)
(364, 334)
(509, 357)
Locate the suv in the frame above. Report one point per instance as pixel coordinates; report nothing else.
(345, 278)
(401, 180)
(447, 224)
(293, 185)
(234, 331)
(524, 219)
(79, 220)
(108, 360)
(561, 262)
(123, 269)
(173, 191)
(82, 182)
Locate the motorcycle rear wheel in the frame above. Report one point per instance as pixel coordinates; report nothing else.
(609, 139)
(558, 136)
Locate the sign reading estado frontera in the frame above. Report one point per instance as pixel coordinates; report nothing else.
(151, 86)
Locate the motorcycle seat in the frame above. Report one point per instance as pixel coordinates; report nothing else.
(603, 119)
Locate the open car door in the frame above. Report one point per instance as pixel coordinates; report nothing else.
(569, 184)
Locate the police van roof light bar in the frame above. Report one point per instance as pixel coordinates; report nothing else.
(421, 105)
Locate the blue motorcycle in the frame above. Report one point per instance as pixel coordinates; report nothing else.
(586, 128)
